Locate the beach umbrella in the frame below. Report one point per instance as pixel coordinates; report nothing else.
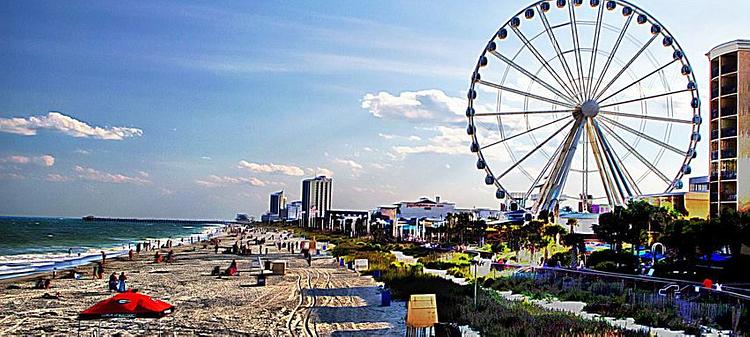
(127, 305)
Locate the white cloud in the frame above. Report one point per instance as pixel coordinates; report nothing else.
(352, 164)
(65, 124)
(44, 160)
(218, 181)
(449, 141)
(57, 178)
(427, 106)
(144, 174)
(321, 171)
(87, 173)
(289, 170)
(206, 158)
(391, 136)
(82, 151)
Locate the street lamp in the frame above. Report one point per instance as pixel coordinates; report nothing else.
(475, 261)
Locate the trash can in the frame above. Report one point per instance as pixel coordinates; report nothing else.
(385, 298)
(341, 262)
(350, 265)
(261, 280)
(376, 273)
(317, 252)
(267, 265)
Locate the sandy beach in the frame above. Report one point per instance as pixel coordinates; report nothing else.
(318, 300)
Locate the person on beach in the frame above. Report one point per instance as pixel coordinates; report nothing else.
(130, 255)
(216, 248)
(138, 248)
(121, 282)
(157, 257)
(112, 284)
(99, 270)
(232, 270)
(170, 256)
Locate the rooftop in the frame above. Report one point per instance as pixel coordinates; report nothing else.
(728, 47)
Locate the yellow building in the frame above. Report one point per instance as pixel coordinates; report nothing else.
(694, 202)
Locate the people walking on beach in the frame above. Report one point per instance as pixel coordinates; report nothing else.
(112, 284)
(138, 248)
(130, 255)
(121, 282)
(216, 248)
(104, 257)
(170, 256)
(99, 270)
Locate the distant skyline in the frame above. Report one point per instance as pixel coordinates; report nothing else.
(201, 110)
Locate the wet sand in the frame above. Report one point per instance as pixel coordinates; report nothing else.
(321, 300)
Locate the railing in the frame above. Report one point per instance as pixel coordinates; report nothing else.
(728, 132)
(728, 174)
(728, 89)
(729, 68)
(731, 153)
(728, 111)
(691, 301)
(728, 197)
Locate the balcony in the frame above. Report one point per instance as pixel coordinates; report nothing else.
(714, 69)
(714, 92)
(726, 175)
(726, 132)
(728, 68)
(729, 89)
(728, 153)
(728, 111)
(729, 196)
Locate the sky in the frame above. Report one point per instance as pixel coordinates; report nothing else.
(201, 109)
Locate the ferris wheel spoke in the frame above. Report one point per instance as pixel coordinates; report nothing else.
(612, 53)
(594, 49)
(636, 81)
(510, 113)
(620, 178)
(541, 173)
(532, 76)
(577, 49)
(532, 151)
(635, 153)
(523, 93)
(655, 118)
(646, 98)
(627, 65)
(553, 40)
(644, 136)
(525, 132)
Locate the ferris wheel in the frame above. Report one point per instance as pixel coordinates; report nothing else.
(582, 102)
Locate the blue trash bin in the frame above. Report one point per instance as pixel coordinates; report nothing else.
(261, 280)
(341, 262)
(376, 273)
(350, 265)
(385, 298)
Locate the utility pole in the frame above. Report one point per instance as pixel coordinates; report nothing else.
(475, 262)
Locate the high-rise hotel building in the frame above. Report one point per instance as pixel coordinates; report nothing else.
(316, 200)
(729, 168)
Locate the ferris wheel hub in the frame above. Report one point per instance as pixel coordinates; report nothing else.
(590, 108)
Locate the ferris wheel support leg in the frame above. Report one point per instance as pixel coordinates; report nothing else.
(552, 189)
(603, 172)
(623, 188)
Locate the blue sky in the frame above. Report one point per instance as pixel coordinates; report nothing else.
(201, 109)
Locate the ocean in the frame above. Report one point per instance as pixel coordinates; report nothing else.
(29, 245)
